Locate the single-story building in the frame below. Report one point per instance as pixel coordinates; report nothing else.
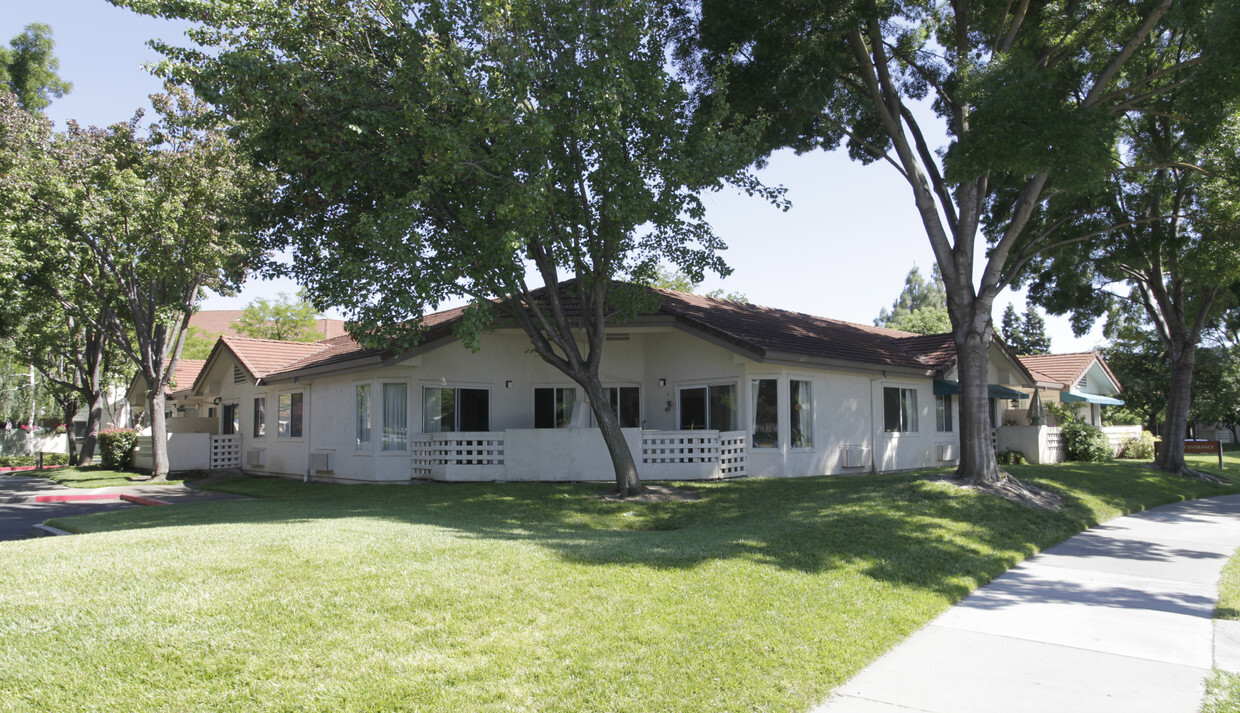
(703, 388)
(1083, 380)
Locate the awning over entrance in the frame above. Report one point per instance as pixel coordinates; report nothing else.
(1068, 396)
(951, 388)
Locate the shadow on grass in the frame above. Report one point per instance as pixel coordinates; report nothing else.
(898, 528)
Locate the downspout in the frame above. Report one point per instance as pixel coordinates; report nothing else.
(874, 425)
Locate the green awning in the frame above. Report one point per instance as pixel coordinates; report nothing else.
(951, 388)
(1069, 396)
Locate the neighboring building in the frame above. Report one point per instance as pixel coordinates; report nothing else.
(702, 387)
(178, 388)
(1082, 380)
(222, 322)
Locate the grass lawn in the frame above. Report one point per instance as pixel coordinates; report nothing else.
(91, 477)
(1223, 687)
(761, 596)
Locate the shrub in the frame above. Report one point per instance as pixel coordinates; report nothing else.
(1081, 441)
(20, 461)
(1141, 448)
(116, 447)
(1012, 457)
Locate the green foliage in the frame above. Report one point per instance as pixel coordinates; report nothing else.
(21, 461)
(676, 280)
(116, 446)
(283, 319)
(1140, 448)
(921, 307)
(198, 343)
(1012, 457)
(1081, 441)
(28, 68)
(1025, 335)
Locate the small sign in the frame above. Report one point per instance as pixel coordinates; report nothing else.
(1198, 447)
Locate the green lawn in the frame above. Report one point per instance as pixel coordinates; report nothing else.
(91, 477)
(1223, 688)
(761, 596)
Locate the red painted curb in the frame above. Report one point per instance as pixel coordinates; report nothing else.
(74, 498)
(16, 468)
(142, 500)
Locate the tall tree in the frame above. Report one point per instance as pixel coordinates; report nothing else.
(921, 306)
(1011, 329)
(438, 148)
(28, 68)
(1033, 332)
(1028, 93)
(283, 319)
(150, 220)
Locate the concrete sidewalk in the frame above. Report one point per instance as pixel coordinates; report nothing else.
(1117, 618)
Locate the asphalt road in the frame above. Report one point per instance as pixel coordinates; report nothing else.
(17, 521)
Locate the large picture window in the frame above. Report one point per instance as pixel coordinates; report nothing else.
(451, 409)
(395, 417)
(764, 413)
(943, 413)
(899, 410)
(708, 407)
(801, 413)
(289, 415)
(553, 406)
(626, 404)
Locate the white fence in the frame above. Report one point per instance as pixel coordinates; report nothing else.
(1044, 444)
(16, 442)
(575, 454)
(225, 452)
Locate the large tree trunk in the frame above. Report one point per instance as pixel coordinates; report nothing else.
(159, 432)
(94, 419)
(31, 422)
(978, 464)
(1179, 396)
(627, 481)
(70, 409)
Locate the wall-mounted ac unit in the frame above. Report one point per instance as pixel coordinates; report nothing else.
(947, 451)
(853, 457)
(321, 461)
(256, 457)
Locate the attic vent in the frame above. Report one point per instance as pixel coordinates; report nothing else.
(618, 337)
(238, 374)
(1084, 382)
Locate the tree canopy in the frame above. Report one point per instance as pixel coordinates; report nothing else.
(284, 319)
(1025, 335)
(1029, 94)
(28, 68)
(921, 306)
(436, 149)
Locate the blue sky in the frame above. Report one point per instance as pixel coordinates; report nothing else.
(842, 251)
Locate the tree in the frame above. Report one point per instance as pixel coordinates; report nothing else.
(1028, 94)
(28, 68)
(1025, 335)
(921, 306)
(282, 319)
(436, 149)
(1216, 388)
(198, 343)
(676, 280)
(147, 221)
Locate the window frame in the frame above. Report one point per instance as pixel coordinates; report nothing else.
(707, 385)
(608, 390)
(556, 392)
(754, 392)
(456, 410)
(909, 418)
(943, 414)
(259, 428)
(400, 447)
(369, 445)
(301, 415)
(808, 433)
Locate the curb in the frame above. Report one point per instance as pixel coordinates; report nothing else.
(142, 500)
(42, 530)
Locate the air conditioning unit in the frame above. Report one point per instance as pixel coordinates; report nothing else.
(256, 457)
(853, 457)
(947, 451)
(321, 461)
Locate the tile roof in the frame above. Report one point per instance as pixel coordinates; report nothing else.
(261, 357)
(183, 377)
(1067, 369)
(220, 321)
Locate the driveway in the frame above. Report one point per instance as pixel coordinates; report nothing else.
(21, 509)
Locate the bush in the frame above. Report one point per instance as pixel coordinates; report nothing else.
(116, 447)
(1012, 457)
(1139, 448)
(1086, 443)
(20, 461)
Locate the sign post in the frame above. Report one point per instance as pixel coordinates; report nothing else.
(1197, 447)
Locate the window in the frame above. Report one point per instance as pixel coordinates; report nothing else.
(899, 410)
(764, 413)
(289, 415)
(626, 404)
(943, 413)
(445, 410)
(553, 407)
(395, 417)
(230, 421)
(801, 413)
(708, 407)
(260, 416)
(362, 417)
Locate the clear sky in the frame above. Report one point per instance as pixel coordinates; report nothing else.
(842, 251)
